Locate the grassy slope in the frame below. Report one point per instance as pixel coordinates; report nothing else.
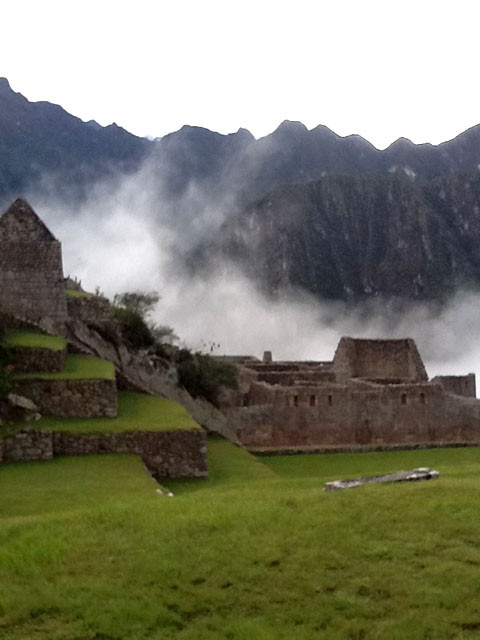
(136, 411)
(77, 367)
(34, 339)
(272, 557)
(73, 293)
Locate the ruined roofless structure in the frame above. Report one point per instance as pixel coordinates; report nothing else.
(374, 394)
(32, 287)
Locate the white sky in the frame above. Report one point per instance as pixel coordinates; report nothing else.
(382, 69)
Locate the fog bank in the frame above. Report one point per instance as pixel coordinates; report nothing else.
(125, 238)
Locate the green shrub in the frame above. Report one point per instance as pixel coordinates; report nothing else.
(132, 309)
(142, 302)
(135, 330)
(203, 376)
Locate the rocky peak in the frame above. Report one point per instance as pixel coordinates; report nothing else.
(5, 85)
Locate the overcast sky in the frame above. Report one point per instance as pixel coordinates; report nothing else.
(382, 69)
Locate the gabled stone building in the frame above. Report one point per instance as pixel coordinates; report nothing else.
(31, 274)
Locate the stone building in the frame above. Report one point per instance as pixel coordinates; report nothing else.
(31, 273)
(374, 394)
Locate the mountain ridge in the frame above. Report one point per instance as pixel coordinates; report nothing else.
(339, 191)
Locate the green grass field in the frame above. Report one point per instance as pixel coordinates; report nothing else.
(136, 412)
(89, 550)
(77, 367)
(34, 339)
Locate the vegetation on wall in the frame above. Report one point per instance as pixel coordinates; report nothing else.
(203, 376)
(134, 329)
(132, 310)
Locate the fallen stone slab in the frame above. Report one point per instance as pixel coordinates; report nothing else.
(422, 473)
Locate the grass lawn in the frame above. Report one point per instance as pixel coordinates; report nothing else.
(60, 485)
(34, 339)
(136, 412)
(258, 552)
(77, 367)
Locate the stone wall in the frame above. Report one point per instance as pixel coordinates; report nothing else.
(27, 445)
(379, 359)
(88, 309)
(31, 273)
(33, 360)
(459, 385)
(166, 454)
(287, 378)
(333, 415)
(173, 454)
(72, 398)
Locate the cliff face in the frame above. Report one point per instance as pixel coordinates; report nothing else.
(342, 219)
(349, 237)
(237, 170)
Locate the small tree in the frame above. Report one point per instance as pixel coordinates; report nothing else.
(134, 329)
(141, 302)
(132, 310)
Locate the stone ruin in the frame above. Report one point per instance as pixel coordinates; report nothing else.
(33, 296)
(374, 394)
(31, 273)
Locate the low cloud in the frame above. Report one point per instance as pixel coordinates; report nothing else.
(126, 237)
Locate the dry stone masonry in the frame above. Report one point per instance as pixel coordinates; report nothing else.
(33, 296)
(31, 272)
(375, 394)
(88, 309)
(31, 360)
(72, 398)
(166, 454)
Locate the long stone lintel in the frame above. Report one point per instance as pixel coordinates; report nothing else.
(414, 475)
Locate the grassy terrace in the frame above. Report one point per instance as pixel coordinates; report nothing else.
(257, 552)
(34, 340)
(136, 412)
(77, 367)
(73, 293)
(67, 484)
